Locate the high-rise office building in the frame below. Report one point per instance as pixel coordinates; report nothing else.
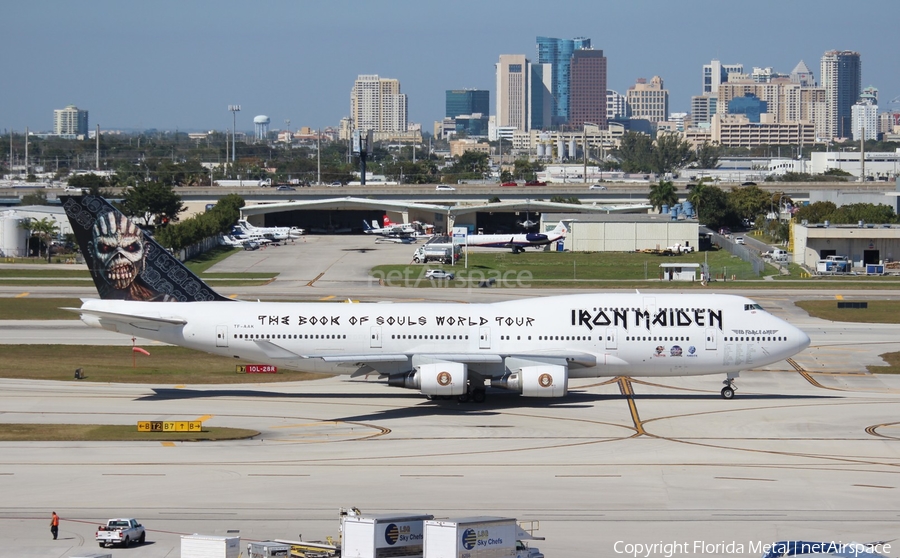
(513, 77)
(376, 104)
(70, 121)
(841, 75)
(540, 100)
(703, 107)
(587, 89)
(558, 52)
(715, 73)
(648, 101)
(467, 101)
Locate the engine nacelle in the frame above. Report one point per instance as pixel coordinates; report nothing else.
(545, 380)
(438, 378)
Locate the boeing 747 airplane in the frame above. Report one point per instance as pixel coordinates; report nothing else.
(440, 349)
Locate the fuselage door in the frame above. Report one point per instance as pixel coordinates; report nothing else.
(611, 338)
(484, 338)
(711, 336)
(221, 336)
(375, 337)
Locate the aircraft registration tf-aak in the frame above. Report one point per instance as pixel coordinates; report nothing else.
(441, 349)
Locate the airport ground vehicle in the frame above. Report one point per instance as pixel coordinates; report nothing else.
(268, 549)
(476, 537)
(369, 536)
(120, 531)
(436, 252)
(210, 546)
(438, 274)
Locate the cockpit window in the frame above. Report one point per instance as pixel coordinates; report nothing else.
(748, 307)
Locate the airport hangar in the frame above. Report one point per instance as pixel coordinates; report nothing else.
(350, 213)
(625, 233)
(863, 243)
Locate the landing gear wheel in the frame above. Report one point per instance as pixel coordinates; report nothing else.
(727, 392)
(463, 397)
(478, 395)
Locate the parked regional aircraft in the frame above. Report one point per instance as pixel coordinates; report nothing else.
(277, 233)
(389, 228)
(518, 242)
(396, 239)
(238, 240)
(441, 349)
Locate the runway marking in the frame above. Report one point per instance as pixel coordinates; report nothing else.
(744, 478)
(625, 388)
(20, 295)
(232, 296)
(319, 276)
(134, 474)
(306, 424)
(588, 476)
(204, 418)
(874, 486)
(431, 476)
(179, 386)
(168, 444)
(839, 297)
(873, 430)
(329, 297)
(274, 475)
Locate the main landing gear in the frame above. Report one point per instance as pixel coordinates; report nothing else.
(729, 389)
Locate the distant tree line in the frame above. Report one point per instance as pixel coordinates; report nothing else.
(217, 220)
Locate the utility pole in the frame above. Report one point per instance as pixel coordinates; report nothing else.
(319, 156)
(862, 154)
(97, 158)
(26, 151)
(290, 137)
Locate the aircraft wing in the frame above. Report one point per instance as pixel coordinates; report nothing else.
(137, 320)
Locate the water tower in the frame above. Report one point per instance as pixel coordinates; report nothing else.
(261, 125)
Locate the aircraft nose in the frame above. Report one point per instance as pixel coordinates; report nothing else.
(802, 339)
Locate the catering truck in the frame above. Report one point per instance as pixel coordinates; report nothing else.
(381, 535)
(120, 531)
(476, 537)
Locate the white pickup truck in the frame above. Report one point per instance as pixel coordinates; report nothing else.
(120, 531)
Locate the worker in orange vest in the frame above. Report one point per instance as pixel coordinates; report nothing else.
(54, 525)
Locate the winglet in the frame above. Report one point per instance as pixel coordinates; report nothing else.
(125, 262)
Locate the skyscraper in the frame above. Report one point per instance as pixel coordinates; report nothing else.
(716, 73)
(841, 76)
(376, 104)
(587, 89)
(558, 52)
(513, 77)
(70, 121)
(467, 101)
(648, 101)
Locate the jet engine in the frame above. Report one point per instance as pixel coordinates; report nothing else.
(546, 380)
(437, 378)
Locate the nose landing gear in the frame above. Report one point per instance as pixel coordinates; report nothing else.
(729, 389)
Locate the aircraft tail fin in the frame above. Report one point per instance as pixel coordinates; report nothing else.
(387, 221)
(125, 262)
(561, 229)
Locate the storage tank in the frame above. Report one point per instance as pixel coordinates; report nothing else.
(688, 208)
(572, 151)
(560, 149)
(13, 239)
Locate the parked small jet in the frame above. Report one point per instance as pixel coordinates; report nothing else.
(275, 233)
(389, 229)
(440, 349)
(519, 241)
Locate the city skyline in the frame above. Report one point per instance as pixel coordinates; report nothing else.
(172, 65)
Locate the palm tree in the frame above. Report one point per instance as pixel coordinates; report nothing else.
(696, 196)
(45, 229)
(662, 194)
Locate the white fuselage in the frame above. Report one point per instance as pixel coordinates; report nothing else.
(598, 334)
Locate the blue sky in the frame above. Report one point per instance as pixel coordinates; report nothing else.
(178, 64)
